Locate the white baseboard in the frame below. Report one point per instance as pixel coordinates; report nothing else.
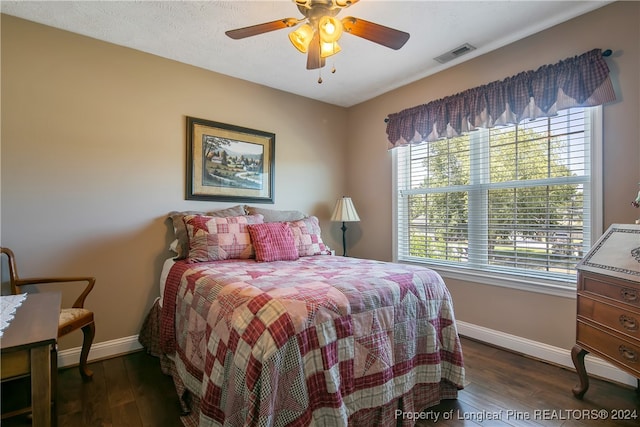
(538, 350)
(558, 356)
(101, 350)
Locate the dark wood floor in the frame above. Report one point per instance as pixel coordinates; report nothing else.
(131, 391)
(512, 388)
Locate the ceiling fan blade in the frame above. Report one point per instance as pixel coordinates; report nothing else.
(266, 27)
(314, 60)
(376, 33)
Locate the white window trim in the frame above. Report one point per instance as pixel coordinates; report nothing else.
(550, 287)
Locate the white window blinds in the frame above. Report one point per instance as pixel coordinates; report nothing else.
(512, 199)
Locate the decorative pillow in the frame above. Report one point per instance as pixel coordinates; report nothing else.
(273, 241)
(215, 239)
(306, 234)
(182, 248)
(274, 215)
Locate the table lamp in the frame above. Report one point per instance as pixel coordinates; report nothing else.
(344, 212)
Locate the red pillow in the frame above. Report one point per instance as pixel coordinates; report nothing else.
(273, 241)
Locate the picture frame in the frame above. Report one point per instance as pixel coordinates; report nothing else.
(229, 163)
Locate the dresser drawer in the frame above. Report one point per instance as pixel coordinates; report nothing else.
(625, 353)
(617, 291)
(614, 317)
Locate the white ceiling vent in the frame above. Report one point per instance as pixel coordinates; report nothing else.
(455, 53)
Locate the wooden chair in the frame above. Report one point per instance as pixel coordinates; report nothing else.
(71, 319)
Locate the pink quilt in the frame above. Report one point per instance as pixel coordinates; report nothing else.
(324, 340)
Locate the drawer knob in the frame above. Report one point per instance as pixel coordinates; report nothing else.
(629, 295)
(629, 323)
(628, 354)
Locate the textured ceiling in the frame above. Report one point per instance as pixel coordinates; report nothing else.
(192, 32)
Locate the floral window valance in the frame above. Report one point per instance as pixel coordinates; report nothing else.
(579, 81)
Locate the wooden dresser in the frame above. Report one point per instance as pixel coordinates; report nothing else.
(608, 314)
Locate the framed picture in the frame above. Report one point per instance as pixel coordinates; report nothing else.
(229, 163)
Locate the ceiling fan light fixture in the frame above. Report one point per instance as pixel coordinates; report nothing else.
(328, 49)
(320, 31)
(330, 29)
(301, 37)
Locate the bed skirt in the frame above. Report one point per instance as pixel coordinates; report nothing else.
(421, 397)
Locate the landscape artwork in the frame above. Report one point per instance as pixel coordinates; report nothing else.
(229, 163)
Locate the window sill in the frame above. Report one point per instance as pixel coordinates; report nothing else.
(529, 284)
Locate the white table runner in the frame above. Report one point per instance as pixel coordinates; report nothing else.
(9, 304)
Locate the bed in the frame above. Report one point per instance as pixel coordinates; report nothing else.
(308, 338)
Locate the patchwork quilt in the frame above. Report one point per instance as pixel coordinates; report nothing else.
(323, 340)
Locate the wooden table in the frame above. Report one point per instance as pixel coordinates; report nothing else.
(28, 347)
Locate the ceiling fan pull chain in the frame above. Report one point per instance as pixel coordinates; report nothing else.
(321, 63)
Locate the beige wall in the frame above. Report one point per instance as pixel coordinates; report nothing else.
(538, 317)
(93, 158)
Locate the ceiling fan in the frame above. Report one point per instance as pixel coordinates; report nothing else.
(320, 30)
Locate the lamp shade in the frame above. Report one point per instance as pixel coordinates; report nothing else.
(330, 29)
(345, 211)
(301, 37)
(328, 49)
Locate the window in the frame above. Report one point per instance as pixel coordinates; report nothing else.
(512, 202)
